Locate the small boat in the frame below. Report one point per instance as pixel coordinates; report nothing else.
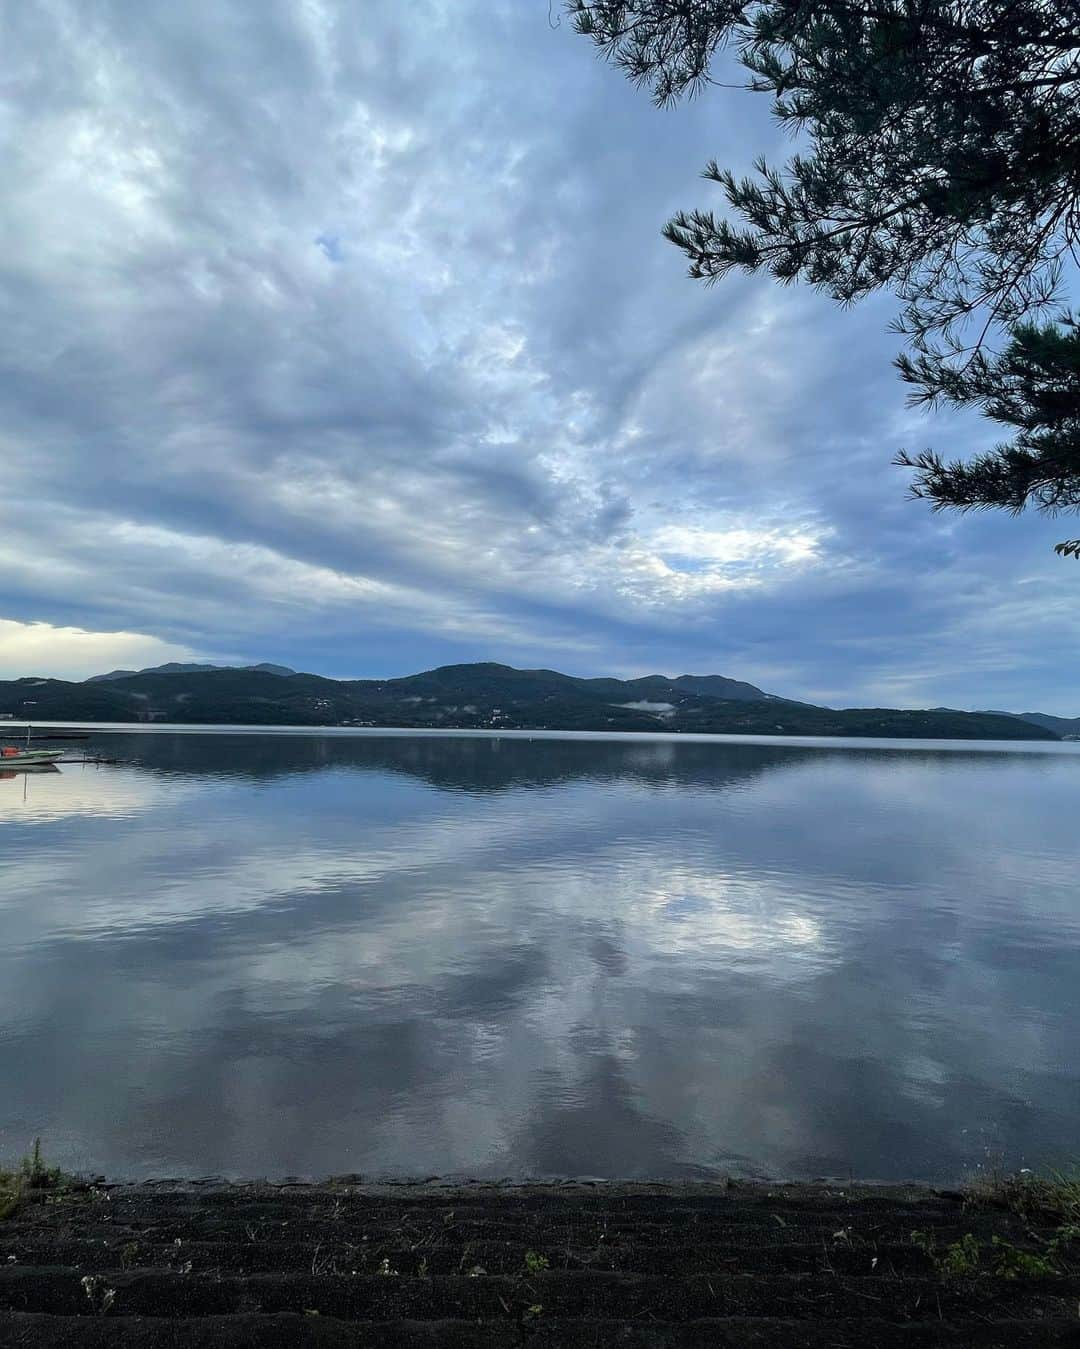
(22, 756)
(13, 757)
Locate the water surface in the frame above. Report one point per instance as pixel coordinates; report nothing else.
(413, 955)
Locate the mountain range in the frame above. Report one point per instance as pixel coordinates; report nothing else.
(484, 695)
(176, 667)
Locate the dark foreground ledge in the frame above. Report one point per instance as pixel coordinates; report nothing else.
(576, 1264)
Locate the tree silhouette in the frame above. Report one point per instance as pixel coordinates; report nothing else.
(942, 162)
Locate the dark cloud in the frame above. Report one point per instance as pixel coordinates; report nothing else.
(348, 338)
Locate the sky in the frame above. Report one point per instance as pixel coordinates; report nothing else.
(343, 336)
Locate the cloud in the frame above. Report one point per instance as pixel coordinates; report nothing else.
(349, 339)
(74, 653)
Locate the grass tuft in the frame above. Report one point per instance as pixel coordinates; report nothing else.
(1052, 1199)
(29, 1179)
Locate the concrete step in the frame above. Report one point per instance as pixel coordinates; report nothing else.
(250, 1331)
(331, 1252)
(497, 1297)
(678, 1267)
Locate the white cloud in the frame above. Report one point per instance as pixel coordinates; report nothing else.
(758, 547)
(74, 653)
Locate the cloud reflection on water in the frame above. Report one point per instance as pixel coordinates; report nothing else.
(435, 956)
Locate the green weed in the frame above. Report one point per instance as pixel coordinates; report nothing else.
(31, 1177)
(1010, 1262)
(957, 1261)
(963, 1259)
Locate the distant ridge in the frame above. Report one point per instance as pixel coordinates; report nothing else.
(1068, 726)
(175, 667)
(711, 686)
(482, 696)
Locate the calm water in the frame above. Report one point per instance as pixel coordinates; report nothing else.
(267, 954)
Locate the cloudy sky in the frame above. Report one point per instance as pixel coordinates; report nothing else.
(343, 335)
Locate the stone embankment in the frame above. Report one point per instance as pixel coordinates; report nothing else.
(678, 1266)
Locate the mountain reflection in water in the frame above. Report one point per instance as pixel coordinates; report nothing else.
(252, 954)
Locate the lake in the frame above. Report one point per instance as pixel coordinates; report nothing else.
(412, 955)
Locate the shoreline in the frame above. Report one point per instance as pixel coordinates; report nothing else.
(958, 744)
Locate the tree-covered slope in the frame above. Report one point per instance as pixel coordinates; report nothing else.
(484, 695)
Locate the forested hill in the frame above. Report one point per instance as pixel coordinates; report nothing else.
(1067, 727)
(481, 696)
